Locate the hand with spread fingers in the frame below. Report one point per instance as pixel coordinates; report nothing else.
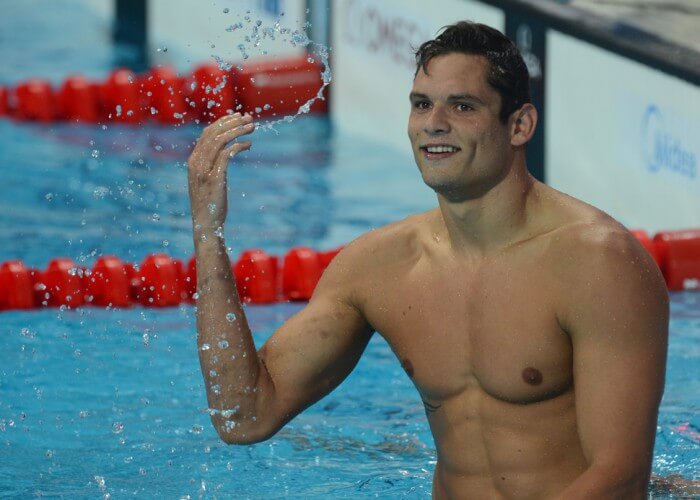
(207, 166)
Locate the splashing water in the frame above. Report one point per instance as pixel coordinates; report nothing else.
(296, 38)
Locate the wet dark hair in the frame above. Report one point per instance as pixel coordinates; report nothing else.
(507, 74)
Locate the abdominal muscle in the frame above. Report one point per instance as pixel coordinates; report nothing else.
(489, 448)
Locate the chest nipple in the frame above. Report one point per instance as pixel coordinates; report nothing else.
(532, 376)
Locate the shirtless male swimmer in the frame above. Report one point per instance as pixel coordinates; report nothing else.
(533, 326)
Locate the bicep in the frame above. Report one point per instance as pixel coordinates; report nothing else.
(619, 330)
(314, 351)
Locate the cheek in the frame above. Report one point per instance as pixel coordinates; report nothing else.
(413, 127)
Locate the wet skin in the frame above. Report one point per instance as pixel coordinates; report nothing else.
(532, 325)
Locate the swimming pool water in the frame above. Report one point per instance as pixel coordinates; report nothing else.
(96, 402)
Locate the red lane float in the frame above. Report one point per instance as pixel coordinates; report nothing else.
(161, 281)
(266, 88)
(280, 87)
(301, 272)
(164, 95)
(212, 94)
(109, 283)
(78, 100)
(62, 284)
(121, 97)
(16, 286)
(256, 277)
(3, 101)
(680, 258)
(35, 101)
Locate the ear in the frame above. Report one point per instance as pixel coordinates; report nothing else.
(523, 125)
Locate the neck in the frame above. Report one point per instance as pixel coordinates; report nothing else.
(492, 221)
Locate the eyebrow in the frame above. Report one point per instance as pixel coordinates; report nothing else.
(451, 98)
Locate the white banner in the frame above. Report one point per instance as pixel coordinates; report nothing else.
(187, 33)
(622, 136)
(373, 63)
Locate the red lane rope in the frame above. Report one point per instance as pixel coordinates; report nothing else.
(265, 88)
(161, 281)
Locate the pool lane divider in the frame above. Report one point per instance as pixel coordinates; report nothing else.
(266, 88)
(159, 281)
(261, 278)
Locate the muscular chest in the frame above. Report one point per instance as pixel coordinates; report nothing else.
(495, 329)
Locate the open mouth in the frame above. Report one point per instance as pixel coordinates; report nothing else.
(438, 151)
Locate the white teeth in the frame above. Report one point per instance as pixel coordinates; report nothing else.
(441, 149)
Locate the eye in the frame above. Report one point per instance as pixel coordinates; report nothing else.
(421, 104)
(463, 106)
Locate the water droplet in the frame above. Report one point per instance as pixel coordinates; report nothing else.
(205, 347)
(117, 427)
(223, 344)
(230, 317)
(95, 153)
(49, 196)
(226, 11)
(100, 192)
(155, 217)
(212, 208)
(26, 332)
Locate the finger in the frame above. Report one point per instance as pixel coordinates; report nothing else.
(223, 124)
(228, 153)
(226, 122)
(222, 121)
(229, 135)
(215, 145)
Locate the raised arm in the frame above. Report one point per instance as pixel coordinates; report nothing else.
(617, 317)
(251, 395)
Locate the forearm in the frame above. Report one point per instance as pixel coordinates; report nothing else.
(233, 374)
(607, 483)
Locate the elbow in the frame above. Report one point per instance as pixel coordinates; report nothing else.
(237, 433)
(623, 482)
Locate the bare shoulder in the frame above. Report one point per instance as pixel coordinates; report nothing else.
(595, 243)
(600, 261)
(368, 261)
(394, 244)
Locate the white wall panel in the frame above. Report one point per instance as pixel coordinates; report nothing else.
(622, 136)
(194, 30)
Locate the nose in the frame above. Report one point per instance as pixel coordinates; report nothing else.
(436, 122)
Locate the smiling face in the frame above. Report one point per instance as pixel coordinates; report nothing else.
(461, 147)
